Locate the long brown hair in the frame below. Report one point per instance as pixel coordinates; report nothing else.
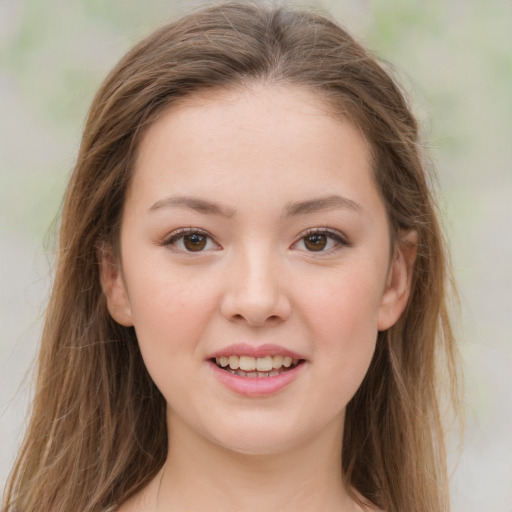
(97, 433)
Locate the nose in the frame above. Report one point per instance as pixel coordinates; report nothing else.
(255, 290)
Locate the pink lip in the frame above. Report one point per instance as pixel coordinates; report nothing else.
(243, 349)
(257, 386)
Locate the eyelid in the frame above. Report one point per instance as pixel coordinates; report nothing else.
(179, 233)
(339, 238)
(335, 235)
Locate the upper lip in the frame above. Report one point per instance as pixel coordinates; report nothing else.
(243, 349)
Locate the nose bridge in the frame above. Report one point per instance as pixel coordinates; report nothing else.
(255, 290)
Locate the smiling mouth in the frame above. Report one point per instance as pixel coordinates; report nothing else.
(256, 367)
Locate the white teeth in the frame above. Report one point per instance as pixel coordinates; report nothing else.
(247, 363)
(252, 375)
(264, 364)
(277, 362)
(234, 362)
(261, 366)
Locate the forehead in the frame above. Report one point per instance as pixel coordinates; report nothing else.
(258, 141)
(249, 108)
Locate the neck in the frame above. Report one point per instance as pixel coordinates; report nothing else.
(201, 475)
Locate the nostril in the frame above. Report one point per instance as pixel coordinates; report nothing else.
(255, 294)
(253, 320)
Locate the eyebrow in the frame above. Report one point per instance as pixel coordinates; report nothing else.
(193, 203)
(331, 202)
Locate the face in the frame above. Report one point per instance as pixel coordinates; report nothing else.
(256, 266)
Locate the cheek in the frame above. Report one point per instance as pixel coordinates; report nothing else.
(344, 304)
(161, 294)
(342, 319)
(170, 312)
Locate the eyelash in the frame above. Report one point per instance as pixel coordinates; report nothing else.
(181, 234)
(335, 237)
(338, 240)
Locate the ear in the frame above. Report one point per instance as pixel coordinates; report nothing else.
(113, 286)
(398, 285)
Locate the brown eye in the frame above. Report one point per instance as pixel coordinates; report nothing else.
(194, 242)
(191, 240)
(315, 242)
(321, 241)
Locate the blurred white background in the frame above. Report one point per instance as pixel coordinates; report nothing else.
(455, 58)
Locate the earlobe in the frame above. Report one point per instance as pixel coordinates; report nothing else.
(113, 287)
(398, 285)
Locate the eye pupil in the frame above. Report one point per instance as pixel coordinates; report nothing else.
(194, 242)
(315, 242)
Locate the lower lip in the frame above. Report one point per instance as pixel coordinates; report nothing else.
(256, 386)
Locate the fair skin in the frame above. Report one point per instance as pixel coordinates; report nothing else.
(253, 229)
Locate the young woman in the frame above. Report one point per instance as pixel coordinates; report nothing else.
(249, 310)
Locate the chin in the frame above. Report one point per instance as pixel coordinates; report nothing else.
(258, 445)
(252, 435)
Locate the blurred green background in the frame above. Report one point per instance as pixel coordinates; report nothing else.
(454, 58)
